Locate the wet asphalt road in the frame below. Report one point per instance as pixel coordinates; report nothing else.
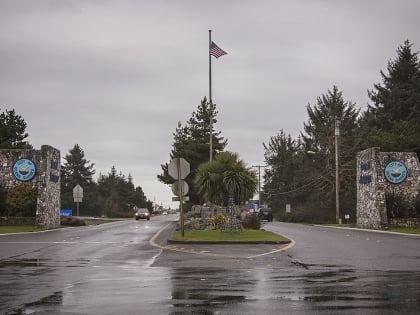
(127, 268)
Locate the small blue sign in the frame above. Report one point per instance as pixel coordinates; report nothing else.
(66, 212)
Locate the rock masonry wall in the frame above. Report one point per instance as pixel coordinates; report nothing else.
(46, 181)
(372, 185)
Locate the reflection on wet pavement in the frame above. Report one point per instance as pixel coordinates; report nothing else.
(132, 289)
(265, 291)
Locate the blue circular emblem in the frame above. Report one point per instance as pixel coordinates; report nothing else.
(24, 170)
(395, 172)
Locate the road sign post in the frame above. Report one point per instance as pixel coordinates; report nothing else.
(180, 194)
(77, 196)
(178, 169)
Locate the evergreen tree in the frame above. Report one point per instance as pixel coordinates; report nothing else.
(116, 195)
(283, 175)
(76, 170)
(12, 131)
(140, 200)
(392, 121)
(319, 142)
(108, 193)
(191, 142)
(180, 141)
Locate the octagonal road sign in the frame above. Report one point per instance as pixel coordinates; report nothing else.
(178, 168)
(175, 187)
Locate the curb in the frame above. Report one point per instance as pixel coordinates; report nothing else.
(170, 241)
(171, 245)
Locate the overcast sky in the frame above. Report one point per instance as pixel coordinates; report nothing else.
(115, 77)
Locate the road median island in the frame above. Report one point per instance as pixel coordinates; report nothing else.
(208, 243)
(219, 237)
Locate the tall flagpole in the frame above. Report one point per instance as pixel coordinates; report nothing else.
(211, 103)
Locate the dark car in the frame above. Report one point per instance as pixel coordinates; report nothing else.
(266, 214)
(142, 214)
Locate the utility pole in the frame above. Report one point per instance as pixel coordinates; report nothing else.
(337, 178)
(259, 182)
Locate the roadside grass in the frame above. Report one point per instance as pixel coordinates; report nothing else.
(7, 229)
(219, 236)
(19, 229)
(407, 230)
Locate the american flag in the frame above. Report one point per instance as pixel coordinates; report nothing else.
(216, 51)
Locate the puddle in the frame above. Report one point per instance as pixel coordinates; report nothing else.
(182, 291)
(33, 308)
(322, 290)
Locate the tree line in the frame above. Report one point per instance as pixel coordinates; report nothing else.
(111, 195)
(301, 171)
(298, 171)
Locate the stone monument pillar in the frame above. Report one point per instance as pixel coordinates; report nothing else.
(49, 188)
(41, 169)
(379, 173)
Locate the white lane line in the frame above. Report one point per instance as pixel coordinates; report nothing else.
(290, 245)
(153, 239)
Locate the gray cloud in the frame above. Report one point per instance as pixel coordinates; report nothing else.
(117, 76)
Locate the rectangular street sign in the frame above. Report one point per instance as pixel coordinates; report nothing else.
(186, 198)
(66, 212)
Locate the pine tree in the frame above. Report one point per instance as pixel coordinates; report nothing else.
(319, 142)
(283, 175)
(392, 121)
(76, 171)
(12, 131)
(116, 195)
(191, 142)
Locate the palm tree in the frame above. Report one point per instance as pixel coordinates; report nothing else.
(226, 176)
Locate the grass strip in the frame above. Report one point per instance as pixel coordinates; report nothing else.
(6, 229)
(407, 230)
(219, 236)
(404, 230)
